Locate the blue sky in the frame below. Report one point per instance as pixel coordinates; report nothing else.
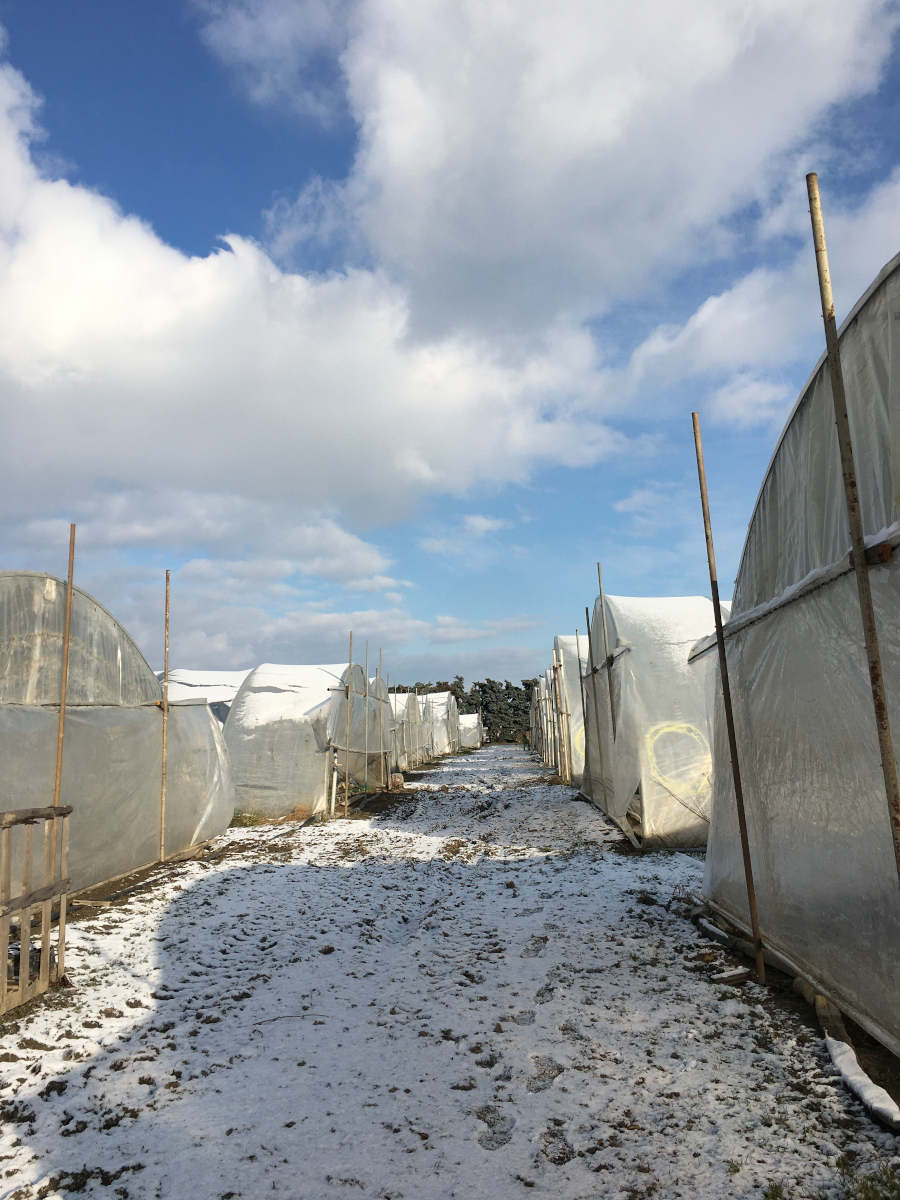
(482, 260)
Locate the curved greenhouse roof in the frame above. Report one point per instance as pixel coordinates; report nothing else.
(105, 666)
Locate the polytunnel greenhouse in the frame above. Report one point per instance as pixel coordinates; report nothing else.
(112, 755)
(648, 753)
(471, 731)
(820, 835)
(294, 732)
(217, 688)
(444, 719)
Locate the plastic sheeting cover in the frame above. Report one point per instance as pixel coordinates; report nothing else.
(471, 734)
(105, 666)
(653, 777)
(111, 776)
(217, 688)
(819, 832)
(444, 722)
(281, 730)
(408, 732)
(570, 672)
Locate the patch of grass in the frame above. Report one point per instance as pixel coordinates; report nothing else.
(242, 820)
(881, 1184)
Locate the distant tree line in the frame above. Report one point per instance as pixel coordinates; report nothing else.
(504, 706)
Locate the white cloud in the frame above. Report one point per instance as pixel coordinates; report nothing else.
(283, 51)
(479, 525)
(746, 401)
(517, 163)
(123, 360)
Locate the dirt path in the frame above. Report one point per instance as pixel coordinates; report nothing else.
(471, 995)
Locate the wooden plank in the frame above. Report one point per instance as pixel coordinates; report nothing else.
(25, 917)
(26, 816)
(49, 847)
(5, 869)
(61, 927)
(34, 897)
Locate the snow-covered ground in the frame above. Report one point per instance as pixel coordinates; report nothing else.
(474, 995)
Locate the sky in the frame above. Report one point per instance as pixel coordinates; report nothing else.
(358, 314)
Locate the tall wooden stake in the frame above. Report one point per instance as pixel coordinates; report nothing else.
(606, 654)
(606, 798)
(583, 705)
(64, 677)
(347, 740)
(382, 700)
(366, 693)
(729, 712)
(854, 519)
(165, 733)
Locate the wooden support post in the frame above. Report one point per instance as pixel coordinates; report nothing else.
(46, 905)
(729, 712)
(347, 741)
(854, 519)
(366, 694)
(583, 705)
(61, 925)
(165, 733)
(603, 787)
(382, 700)
(64, 673)
(606, 654)
(5, 892)
(25, 914)
(561, 765)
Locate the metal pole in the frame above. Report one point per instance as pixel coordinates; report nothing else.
(64, 675)
(854, 519)
(606, 654)
(729, 712)
(347, 740)
(165, 734)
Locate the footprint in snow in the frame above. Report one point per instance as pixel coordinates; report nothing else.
(525, 1017)
(545, 1071)
(537, 945)
(499, 1130)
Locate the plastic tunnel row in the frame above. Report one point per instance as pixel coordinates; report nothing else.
(276, 741)
(632, 713)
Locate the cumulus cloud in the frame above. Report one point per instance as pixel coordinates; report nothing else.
(123, 360)
(520, 171)
(518, 162)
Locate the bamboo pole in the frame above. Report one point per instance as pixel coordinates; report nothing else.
(854, 519)
(583, 705)
(381, 703)
(557, 704)
(165, 732)
(606, 798)
(729, 711)
(606, 654)
(64, 674)
(564, 696)
(366, 734)
(347, 739)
